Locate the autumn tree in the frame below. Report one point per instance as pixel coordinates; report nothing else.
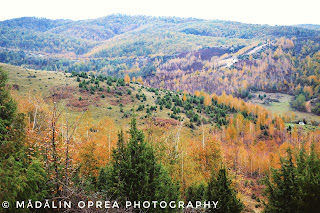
(207, 100)
(139, 80)
(96, 141)
(127, 79)
(197, 93)
(184, 98)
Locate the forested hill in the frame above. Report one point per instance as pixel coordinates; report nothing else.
(309, 26)
(173, 53)
(80, 37)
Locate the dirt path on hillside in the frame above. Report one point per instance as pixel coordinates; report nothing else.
(228, 62)
(256, 49)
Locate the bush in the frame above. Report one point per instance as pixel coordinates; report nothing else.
(299, 102)
(253, 196)
(316, 109)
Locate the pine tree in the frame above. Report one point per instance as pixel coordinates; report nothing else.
(295, 187)
(20, 177)
(309, 182)
(135, 174)
(220, 189)
(282, 190)
(102, 182)
(196, 193)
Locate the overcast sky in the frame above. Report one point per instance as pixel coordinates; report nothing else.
(272, 12)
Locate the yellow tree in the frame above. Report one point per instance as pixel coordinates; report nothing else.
(184, 98)
(202, 93)
(208, 157)
(197, 93)
(207, 100)
(127, 79)
(96, 142)
(140, 80)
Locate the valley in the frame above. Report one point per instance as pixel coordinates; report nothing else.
(184, 105)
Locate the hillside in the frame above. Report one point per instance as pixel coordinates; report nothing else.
(211, 55)
(184, 54)
(177, 54)
(309, 26)
(159, 108)
(181, 127)
(76, 38)
(115, 98)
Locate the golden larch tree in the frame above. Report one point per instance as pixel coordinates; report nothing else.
(140, 80)
(184, 98)
(127, 79)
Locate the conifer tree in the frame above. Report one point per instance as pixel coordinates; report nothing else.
(135, 174)
(309, 177)
(282, 192)
(196, 192)
(20, 178)
(220, 189)
(295, 187)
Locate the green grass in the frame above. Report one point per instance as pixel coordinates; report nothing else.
(43, 82)
(283, 105)
(35, 80)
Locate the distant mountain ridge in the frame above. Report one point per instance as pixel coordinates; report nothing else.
(309, 26)
(119, 43)
(80, 36)
(184, 54)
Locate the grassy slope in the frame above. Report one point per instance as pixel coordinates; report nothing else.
(284, 106)
(46, 81)
(42, 83)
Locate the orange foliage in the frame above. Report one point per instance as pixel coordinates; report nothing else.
(139, 80)
(96, 143)
(127, 79)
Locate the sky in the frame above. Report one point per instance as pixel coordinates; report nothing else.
(272, 12)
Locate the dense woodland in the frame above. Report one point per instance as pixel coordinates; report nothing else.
(183, 86)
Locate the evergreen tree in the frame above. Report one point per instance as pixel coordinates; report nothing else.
(20, 178)
(196, 193)
(102, 179)
(220, 189)
(295, 188)
(135, 174)
(282, 192)
(309, 182)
